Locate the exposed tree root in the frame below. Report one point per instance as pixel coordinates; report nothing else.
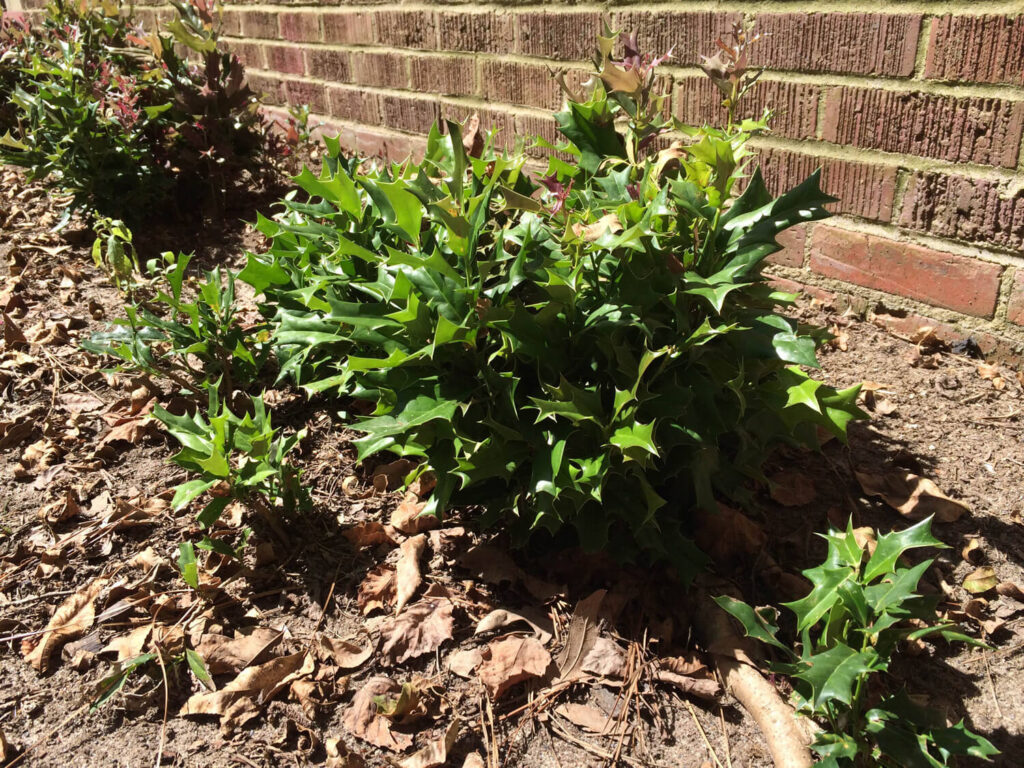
(786, 737)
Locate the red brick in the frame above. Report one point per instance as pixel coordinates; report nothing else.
(329, 65)
(356, 105)
(348, 28)
(565, 35)
(300, 27)
(1015, 309)
(688, 33)
(981, 49)
(285, 58)
(231, 22)
(270, 89)
(406, 29)
(795, 105)
(499, 121)
(304, 92)
(446, 75)
(977, 210)
(907, 325)
(976, 130)
(516, 83)
(262, 24)
(408, 113)
(384, 69)
(250, 54)
(486, 32)
(793, 242)
(855, 43)
(934, 277)
(863, 190)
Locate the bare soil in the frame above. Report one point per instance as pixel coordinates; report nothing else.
(73, 436)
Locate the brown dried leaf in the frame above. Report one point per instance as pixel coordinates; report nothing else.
(972, 551)
(688, 665)
(420, 629)
(496, 567)
(71, 620)
(435, 754)
(1011, 590)
(473, 760)
(792, 488)
(60, 510)
(407, 572)
(703, 688)
(981, 581)
(364, 721)
(407, 518)
(80, 403)
(591, 232)
(582, 636)
(539, 621)
(605, 659)
(340, 756)
(389, 476)
(345, 654)
(512, 660)
(377, 589)
(913, 496)
(463, 663)
(129, 646)
(368, 534)
(728, 535)
(588, 718)
(224, 654)
(239, 701)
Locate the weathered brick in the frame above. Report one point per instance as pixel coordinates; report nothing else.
(406, 29)
(964, 209)
(261, 24)
(517, 83)
(484, 32)
(408, 113)
(564, 35)
(981, 49)
(863, 189)
(231, 22)
(977, 130)
(1015, 309)
(326, 64)
(499, 121)
(793, 242)
(300, 27)
(445, 75)
(384, 69)
(356, 105)
(305, 92)
(270, 88)
(856, 43)
(285, 58)
(687, 33)
(795, 105)
(934, 277)
(250, 54)
(348, 28)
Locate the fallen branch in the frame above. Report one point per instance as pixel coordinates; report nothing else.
(787, 741)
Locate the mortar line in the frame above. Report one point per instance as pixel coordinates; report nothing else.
(923, 42)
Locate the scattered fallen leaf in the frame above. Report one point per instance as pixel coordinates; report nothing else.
(130, 645)
(224, 654)
(7, 750)
(60, 510)
(240, 700)
(368, 535)
(340, 756)
(390, 476)
(704, 688)
(605, 659)
(377, 589)
(689, 664)
(993, 374)
(1011, 590)
(407, 572)
(982, 580)
(591, 232)
(792, 488)
(500, 618)
(71, 620)
(407, 518)
(473, 760)
(464, 662)
(345, 654)
(972, 551)
(420, 629)
(588, 718)
(435, 754)
(582, 636)
(512, 660)
(912, 496)
(728, 535)
(496, 567)
(364, 721)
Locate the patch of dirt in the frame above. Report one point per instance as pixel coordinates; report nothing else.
(581, 641)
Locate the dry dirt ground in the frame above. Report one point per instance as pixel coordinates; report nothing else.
(536, 658)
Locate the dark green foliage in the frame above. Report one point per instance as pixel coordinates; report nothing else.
(602, 353)
(850, 625)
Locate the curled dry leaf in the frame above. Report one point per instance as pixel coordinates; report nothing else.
(588, 718)
(690, 664)
(240, 700)
(993, 374)
(377, 589)
(792, 488)
(911, 495)
(224, 654)
(582, 636)
(464, 662)
(728, 535)
(364, 721)
(512, 660)
(591, 232)
(368, 534)
(435, 754)
(340, 756)
(407, 572)
(982, 580)
(407, 518)
(703, 688)
(389, 476)
(60, 510)
(473, 760)
(605, 659)
(345, 654)
(71, 620)
(130, 645)
(972, 551)
(496, 567)
(420, 629)
(1011, 590)
(500, 618)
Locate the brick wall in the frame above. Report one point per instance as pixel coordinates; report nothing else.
(914, 108)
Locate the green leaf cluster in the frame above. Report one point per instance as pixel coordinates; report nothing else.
(862, 604)
(597, 350)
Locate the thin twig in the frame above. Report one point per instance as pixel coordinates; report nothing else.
(703, 735)
(44, 596)
(725, 737)
(167, 705)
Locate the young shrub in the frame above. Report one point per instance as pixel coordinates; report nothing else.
(862, 605)
(596, 350)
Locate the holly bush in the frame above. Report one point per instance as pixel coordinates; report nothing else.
(596, 348)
